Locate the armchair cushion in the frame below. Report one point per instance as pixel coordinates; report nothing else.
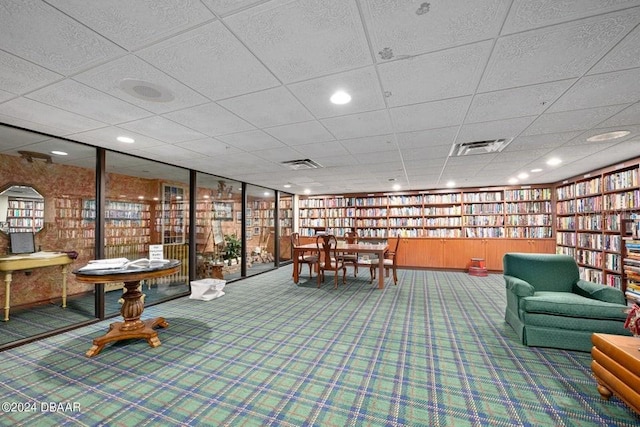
(571, 305)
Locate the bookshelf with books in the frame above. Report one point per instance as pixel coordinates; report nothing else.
(631, 261)
(24, 215)
(171, 215)
(483, 214)
(590, 211)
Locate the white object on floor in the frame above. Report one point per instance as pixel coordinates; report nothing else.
(207, 289)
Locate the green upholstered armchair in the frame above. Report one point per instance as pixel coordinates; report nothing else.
(548, 305)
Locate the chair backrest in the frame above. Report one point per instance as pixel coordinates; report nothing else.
(351, 237)
(545, 272)
(394, 251)
(295, 239)
(327, 245)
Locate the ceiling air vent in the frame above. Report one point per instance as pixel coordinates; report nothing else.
(302, 164)
(479, 147)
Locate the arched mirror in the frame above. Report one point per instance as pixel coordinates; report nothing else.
(21, 209)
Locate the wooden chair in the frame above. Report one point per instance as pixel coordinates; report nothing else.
(327, 247)
(307, 257)
(350, 237)
(390, 262)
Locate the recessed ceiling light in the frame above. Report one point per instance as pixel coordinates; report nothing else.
(513, 181)
(287, 186)
(536, 170)
(451, 184)
(59, 153)
(609, 135)
(396, 187)
(523, 175)
(554, 161)
(307, 191)
(340, 97)
(126, 139)
(266, 193)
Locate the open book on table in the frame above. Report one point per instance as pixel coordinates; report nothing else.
(120, 263)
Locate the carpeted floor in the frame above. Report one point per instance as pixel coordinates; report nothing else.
(432, 351)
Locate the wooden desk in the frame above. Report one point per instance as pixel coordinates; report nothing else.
(12, 263)
(616, 367)
(360, 248)
(133, 306)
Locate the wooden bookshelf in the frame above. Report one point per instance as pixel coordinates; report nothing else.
(24, 215)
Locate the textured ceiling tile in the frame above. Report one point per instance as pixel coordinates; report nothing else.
(369, 144)
(427, 138)
(614, 88)
(210, 119)
(572, 120)
(429, 115)
(362, 84)
(487, 131)
(108, 77)
(634, 129)
(36, 112)
(304, 39)
(5, 96)
(359, 125)
(271, 107)
(410, 28)
(133, 24)
(554, 53)
(321, 149)
(547, 141)
(252, 140)
(225, 7)
(38, 33)
(529, 14)
(162, 129)
(77, 98)
(19, 76)
(107, 137)
(300, 133)
(210, 60)
(629, 116)
(625, 55)
(12, 137)
(517, 102)
(278, 155)
(445, 74)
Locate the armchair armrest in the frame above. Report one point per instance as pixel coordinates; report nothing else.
(518, 286)
(598, 291)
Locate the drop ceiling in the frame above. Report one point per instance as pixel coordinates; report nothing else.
(236, 88)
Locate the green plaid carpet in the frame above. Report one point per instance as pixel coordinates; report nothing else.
(432, 351)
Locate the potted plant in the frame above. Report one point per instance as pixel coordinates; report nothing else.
(232, 248)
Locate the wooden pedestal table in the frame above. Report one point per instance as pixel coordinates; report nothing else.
(616, 367)
(133, 306)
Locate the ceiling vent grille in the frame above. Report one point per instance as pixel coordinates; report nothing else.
(479, 147)
(302, 164)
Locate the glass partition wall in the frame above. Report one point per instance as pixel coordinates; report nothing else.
(43, 184)
(49, 193)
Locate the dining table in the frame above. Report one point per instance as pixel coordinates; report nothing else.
(377, 249)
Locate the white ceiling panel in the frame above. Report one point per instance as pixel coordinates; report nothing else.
(107, 138)
(410, 28)
(36, 32)
(489, 131)
(301, 133)
(109, 77)
(358, 125)
(429, 115)
(516, 102)
(162, 129)
(77, 98)
(555, 53)
(252, 140)
(304, 39)
(132, 24)
(19, 76)
(445, 74)
(572, 120)
(427, 138)
(210, 147)
(369, 144)
(628, 116)
(271, 107)
(209, 119)
(601, 89)
(211, 61)
(362, 84)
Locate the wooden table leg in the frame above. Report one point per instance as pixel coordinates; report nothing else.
(132, 327)
(7, 294)
(381, 270)
(296, 255)
(64, 286)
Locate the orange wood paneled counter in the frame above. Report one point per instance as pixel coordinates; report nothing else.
(616, 366)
